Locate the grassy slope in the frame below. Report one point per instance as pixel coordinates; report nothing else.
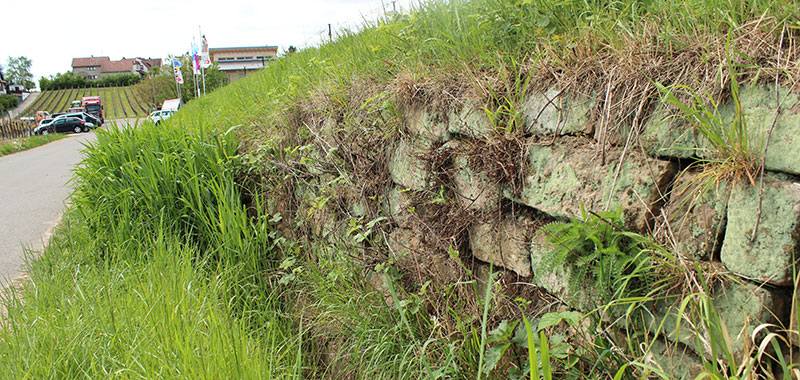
(485, 43)
(161, 279)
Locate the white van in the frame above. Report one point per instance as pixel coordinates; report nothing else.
(157, 116)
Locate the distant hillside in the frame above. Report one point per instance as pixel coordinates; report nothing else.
(118, 102)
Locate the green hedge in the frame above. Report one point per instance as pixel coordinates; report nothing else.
(69, 80)
(8, 102)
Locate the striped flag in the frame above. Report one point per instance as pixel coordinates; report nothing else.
(204, 54)
(195, 58)
(176, 66)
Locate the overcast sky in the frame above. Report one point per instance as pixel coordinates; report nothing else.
(52, 32)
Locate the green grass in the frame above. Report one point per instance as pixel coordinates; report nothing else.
(492, 52)
(18, 145)
(154, 273)
(167, 265)
(164, 317)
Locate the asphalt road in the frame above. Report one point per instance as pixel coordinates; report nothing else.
(34, 191)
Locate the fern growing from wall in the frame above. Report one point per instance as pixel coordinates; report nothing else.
(598, 254)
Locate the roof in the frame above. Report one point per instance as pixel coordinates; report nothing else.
(109, 66)
(123, 65)
(244, 48)
(89, 61)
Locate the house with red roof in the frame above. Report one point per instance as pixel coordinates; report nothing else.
(93, 68)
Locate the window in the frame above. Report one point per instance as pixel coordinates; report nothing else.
(225, 59)
(93, 68)
(243, 58)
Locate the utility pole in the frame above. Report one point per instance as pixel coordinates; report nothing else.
(330, 36)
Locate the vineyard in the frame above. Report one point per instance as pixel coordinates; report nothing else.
(118, 102)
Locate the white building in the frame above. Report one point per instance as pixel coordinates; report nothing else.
(238, 62)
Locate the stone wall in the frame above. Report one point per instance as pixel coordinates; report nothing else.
(557, 167)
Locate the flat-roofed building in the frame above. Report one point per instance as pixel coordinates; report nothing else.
(238, 62)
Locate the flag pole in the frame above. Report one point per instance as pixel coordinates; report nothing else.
(203, 70)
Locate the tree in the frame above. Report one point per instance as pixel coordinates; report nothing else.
(19, 71)
(8, 102)
(3, 79)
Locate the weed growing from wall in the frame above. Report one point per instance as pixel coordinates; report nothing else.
(602, 256)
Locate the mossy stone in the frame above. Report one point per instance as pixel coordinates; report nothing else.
(397, 205)
(504, 243)
(772, 256)
(758, 105)
(740, 306)
(697, 213)
(425, 125)
(406, 165)
(469, 121)
(473, 189)
(668, 136)
(555, 113)
(562, 178)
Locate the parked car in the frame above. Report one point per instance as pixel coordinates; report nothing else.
(67, 124)
(158, 116)
(90, 120)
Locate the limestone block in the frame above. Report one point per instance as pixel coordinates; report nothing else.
(557, 282)
(357, 208)
(560, 178)
(758, 105)
(398, 203)
(320, 216)
(378, 282)
(504, 243)
(424, 125)
(554, 112)
(668, 136)
(403, 243)
(470, 121)
(741, 307)
(474, 190)
(697, 214)
(678, 361)
(772, 255)
(406, 166)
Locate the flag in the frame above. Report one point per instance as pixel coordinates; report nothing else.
(195, 58)
(206, 60)
(176, 66)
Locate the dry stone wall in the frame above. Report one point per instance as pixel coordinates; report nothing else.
(563, 168)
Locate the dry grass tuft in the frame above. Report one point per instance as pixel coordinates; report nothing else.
(622, 78)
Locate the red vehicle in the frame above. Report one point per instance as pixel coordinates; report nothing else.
(93, 106)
